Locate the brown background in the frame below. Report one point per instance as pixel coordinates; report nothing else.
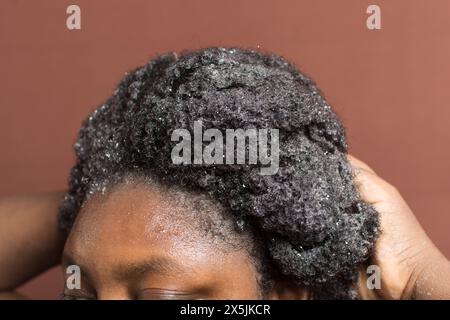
(390, 87)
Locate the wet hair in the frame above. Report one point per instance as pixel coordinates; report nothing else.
(316, 230)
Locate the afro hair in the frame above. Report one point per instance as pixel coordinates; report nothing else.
(316, 228)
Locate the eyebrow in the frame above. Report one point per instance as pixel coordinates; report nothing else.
(156, 265)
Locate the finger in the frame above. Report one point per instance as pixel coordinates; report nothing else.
(356, 163)
(372, 188)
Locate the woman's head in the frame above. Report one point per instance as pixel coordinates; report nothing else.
(144, 240)
(304, 225)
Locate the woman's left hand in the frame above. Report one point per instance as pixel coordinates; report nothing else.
(411, 266)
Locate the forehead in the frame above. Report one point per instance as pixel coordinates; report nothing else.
(133, 222)
(135, 215)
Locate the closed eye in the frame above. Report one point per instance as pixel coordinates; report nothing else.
(166, 294)
(77, 296)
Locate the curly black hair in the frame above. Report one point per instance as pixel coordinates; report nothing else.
(315, 227)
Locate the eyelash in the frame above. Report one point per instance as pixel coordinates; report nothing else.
(159, 294)
(64, 296)
(168, 297)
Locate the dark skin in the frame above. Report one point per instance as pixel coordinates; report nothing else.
(128, 246)
(143, 254)
(30, 242)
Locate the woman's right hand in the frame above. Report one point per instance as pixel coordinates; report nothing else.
(30, 242)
